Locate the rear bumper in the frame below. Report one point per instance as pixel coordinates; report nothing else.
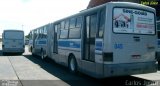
(129, 68)
(13, 50)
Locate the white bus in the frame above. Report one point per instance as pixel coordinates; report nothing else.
(113, 39)
(13, 41)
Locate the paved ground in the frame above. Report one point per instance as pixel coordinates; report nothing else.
(26, 70)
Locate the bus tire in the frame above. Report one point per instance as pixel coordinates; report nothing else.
(72, 64)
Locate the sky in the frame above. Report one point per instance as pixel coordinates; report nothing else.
(29, 14)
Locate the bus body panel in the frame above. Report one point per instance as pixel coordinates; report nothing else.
(128, 49)
(39, 45)
(136, 48)
(133, 51)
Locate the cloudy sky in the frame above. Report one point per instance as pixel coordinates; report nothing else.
(29, 14)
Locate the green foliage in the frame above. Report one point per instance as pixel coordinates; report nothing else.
(27, 36)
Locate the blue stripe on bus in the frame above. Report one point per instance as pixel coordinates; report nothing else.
(76, 44)
(69, 43)
(42, 42)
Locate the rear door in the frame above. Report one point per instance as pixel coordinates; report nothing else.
(88, 62)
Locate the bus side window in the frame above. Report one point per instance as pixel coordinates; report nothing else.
(55, 28)
(42, 30)
(38, 32)
(66, 26)
(75, 32)
(62, 25)
(78, 22)
(34, 34)
(45, 32)
(63, 32)
(101, 23)
(72, 23)
(58, 30)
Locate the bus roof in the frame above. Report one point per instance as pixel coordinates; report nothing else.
(126, 4)
(13, 30)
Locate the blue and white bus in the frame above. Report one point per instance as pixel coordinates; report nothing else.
(13, 41)
(113, 39)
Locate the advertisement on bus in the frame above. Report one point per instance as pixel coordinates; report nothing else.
(133, 21)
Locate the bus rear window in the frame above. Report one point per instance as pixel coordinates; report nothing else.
(14, 35)
(133, 21)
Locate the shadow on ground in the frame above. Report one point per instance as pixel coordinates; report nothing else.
(158, 67)
(82, 80)
(9, 54)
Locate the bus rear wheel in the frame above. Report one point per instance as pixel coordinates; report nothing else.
(72, 64)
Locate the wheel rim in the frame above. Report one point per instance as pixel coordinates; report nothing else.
(72, 64)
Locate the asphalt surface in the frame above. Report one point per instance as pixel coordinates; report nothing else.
(26, 70)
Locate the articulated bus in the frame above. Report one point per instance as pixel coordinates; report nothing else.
(13, 41)
(113, 39)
